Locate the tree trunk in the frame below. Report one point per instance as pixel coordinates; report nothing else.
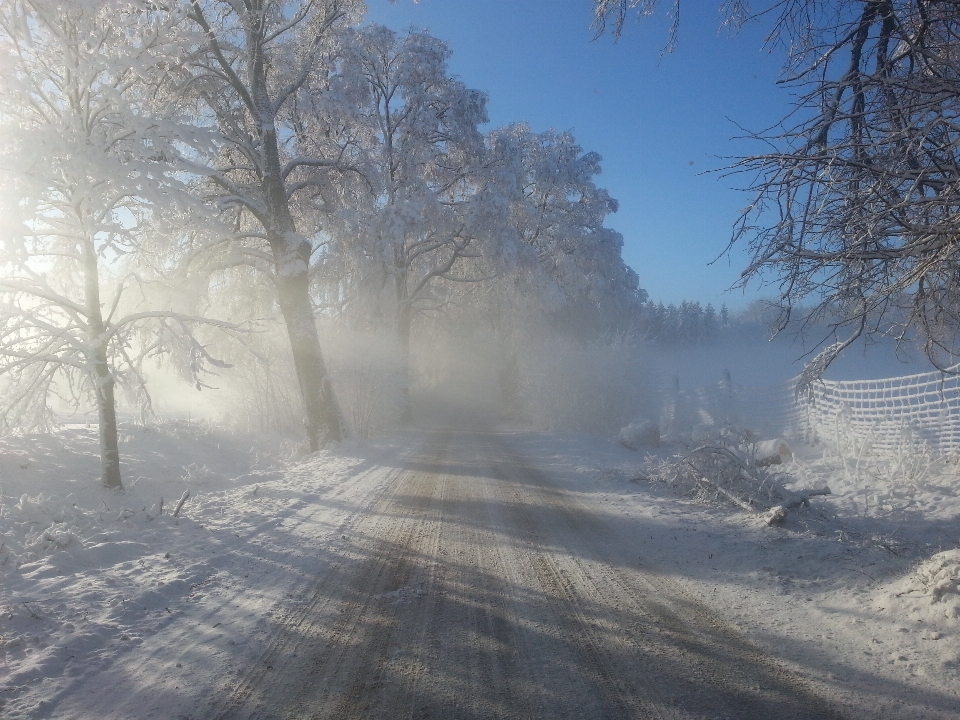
(291, 253)
(103, 384)
(247, 73)
(404, 321)
(323, 417)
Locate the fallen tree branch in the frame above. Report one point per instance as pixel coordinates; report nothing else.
(803, 497)
(777, 515)
(730, 496)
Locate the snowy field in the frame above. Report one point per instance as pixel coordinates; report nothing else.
(112, 607)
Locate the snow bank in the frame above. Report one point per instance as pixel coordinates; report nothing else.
(936, 581)
(48, 534)
(35, 527)
(54, 516)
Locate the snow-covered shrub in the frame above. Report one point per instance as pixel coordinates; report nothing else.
(597, 386)
(199, 475)
(875, 484)
(33, 527)
(727, 470)
(645, 433)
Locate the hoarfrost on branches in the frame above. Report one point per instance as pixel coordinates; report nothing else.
(94, 156)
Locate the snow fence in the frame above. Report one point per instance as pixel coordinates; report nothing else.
(887, 417)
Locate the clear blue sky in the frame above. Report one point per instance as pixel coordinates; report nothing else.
(658, 121)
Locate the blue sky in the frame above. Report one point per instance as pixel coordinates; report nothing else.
(659, 121)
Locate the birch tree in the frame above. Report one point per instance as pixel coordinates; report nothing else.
(88, 159)
(257, 60)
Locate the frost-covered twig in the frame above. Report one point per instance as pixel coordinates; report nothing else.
(29, 610)
(183, 499)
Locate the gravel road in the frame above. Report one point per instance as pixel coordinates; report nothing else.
(475, 588)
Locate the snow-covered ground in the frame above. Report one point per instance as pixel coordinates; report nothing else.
(111, 608)
(861, 592)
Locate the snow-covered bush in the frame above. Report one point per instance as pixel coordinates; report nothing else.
(199, 475)
(33, 527)
(645, 433)
(727, 469)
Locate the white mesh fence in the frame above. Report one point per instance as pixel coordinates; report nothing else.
(888, 416)
(885, 417)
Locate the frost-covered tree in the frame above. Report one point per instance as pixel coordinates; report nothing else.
(431, 216)
(257, 61)
(858, 198)
(89, 159)
(564, 274)
(557, 213)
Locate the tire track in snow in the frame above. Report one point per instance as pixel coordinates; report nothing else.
(714, 669)
(292, 635)
(476, 589)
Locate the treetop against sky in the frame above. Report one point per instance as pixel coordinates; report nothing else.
(660, 121)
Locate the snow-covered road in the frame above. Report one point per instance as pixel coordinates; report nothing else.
(474, 588)
(454, 574)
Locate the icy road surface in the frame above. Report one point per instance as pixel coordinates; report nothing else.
(473, 588)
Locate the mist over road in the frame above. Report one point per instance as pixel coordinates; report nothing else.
(474, 588)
